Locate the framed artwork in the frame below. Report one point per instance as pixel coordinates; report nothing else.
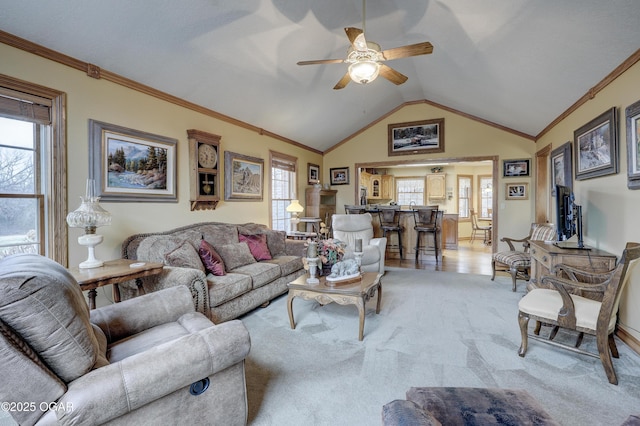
(416, 137)
(130, 165)
(516, 168)
(313, 174)
(243, 177)
(561, 167)
(339, 175)
(596, 146)
(633, 145)
(517, 191)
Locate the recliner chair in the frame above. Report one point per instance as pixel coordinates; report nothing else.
(148, 360)
(349, 228)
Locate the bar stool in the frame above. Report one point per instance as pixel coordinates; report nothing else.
(426, 222)
(354, 209)
(390, 222)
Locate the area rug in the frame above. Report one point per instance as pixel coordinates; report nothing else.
(434, 329)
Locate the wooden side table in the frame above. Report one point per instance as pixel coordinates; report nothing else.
(113, 272)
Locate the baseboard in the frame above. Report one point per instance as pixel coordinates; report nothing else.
(628, 339)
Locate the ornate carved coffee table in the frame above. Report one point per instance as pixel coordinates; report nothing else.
(350, 293)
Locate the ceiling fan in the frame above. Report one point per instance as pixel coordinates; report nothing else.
(365, 58)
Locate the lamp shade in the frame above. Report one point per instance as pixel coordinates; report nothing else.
(295, 207)
(363, 72)
(90, 214)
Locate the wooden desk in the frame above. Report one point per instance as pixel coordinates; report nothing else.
(545, 256)
(112, 272)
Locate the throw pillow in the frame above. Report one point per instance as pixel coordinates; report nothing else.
(213, 263)
(184, 256)
(236, 255)
(257, 246)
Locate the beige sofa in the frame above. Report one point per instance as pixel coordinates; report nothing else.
(247, 282)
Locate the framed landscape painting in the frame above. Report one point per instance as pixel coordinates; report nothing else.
(596, 146)
(243, 177)
(416, 137)
(516, 168)
(633, 145)
(130, 165)
(561, 167)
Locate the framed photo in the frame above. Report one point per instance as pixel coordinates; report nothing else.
(130, 165)
(517, 191)
(596, 146)
(243, 177)
(561, 167)
(416, 137)
(313, 174)
(339, 175)
(633, 145)
(516, 168)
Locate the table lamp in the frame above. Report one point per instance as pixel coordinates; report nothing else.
(89, 216)
(295, 209)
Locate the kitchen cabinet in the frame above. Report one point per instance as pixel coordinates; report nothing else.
(436, 188)
(387, 191)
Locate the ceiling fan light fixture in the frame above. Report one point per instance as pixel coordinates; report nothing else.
(363, 72)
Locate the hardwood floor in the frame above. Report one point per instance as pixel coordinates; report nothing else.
(469, 258)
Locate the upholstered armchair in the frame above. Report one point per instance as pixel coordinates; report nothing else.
(349, 228)
(518, 262)
(148, 360)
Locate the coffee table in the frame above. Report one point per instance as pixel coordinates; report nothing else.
(350, 293)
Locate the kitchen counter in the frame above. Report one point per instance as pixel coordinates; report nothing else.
(447, 237)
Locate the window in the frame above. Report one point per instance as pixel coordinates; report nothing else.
(32, 170)
(283, 189)
(410, 190)
(464, 196)
(485, 191)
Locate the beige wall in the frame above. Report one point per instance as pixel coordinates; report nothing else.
(610, 210)
(88, 98)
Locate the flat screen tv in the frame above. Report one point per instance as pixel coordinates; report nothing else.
(569, 217)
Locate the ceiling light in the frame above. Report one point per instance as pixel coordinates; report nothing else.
(364, 72)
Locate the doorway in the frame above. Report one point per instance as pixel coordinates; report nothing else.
(476, 256)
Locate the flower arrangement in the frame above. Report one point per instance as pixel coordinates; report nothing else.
(330, 251)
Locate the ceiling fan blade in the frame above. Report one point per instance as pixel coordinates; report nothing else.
(343, 82)
(392, 75)
(356, 37)
(423, 48)
(321, 61)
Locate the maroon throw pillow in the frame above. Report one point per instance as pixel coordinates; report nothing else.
(211, 260)
(257, 245)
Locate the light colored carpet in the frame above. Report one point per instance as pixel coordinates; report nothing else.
(434, 329)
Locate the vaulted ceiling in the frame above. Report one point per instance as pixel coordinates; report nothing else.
(516, 63)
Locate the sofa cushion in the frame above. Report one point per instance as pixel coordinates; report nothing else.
(402, 412)
(212, 261)
(43, 303)
(154, 247)
(275, 239)
(288, 264)
(184, 256)
(228, 287)
(257, 246)
(261, 273)
(235, 255)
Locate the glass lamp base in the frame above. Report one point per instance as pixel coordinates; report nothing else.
(90, 241)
